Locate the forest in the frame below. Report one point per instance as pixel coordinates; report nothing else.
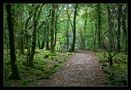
(65, 44)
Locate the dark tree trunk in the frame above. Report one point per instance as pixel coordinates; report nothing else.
(47, 37)
(74, 29)
(15, 73)
(44, 36)
(38, 40)
(67, 36)
(55, 32)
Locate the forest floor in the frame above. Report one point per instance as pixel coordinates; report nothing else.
(81, 69)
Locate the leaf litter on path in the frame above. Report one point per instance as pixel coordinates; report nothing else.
(82, 69)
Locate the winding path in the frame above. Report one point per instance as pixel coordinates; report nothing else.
(82, 69)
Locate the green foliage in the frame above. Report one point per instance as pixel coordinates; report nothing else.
(118, 73)
(42, 69)
(46, 63)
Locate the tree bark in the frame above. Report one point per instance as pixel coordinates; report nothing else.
(119, 25)
(110, 28)
(15, 73)
(67, 36)
(47, 36)
(74, 29)
(53, 14)
(33, 38)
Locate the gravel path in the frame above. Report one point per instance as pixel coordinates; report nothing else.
(82, 69)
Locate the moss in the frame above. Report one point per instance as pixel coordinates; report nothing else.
(40, 70)
(118, 73)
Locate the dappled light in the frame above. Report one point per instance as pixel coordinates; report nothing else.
(64, 45)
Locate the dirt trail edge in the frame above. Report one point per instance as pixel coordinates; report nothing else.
(82, 69)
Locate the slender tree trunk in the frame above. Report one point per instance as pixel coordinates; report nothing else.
(44, 36)
(125, 34)
(56, 18)
(99, 24)
(52, 27)
(119, 25)
(95, 36)
(38, 40)
(74, 29)
(15, 73)
(47, 36)
(22, 34)
(84, 30)
(67, 36)
(110, 28)
(22, 43)
(33, 38)
(55, 32)
(25, 32)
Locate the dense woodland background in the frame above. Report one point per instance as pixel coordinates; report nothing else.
(36, 32)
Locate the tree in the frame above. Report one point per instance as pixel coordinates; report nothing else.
(85, 28)
(125, 29)
(74, 29)
(53, 17)
(119, 25)
(31, 52)
(67, 36)
(110, 27)
(99, 24)
(15, 73)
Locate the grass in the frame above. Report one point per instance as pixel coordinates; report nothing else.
(45, 65)
(117, 75)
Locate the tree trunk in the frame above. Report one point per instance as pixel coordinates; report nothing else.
(38, 40)
(44, 36)
(33, 39)
(22, 43)
(74, 29)
(15, 73)
(67, 36)
(119, 24)
(99, 24)
(125, 34)
(84, 30)
(110, 28)
(95, 35)
(47, 36)
(52, 27)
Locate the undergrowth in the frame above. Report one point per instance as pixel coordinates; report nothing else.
(45, 65)
(117, 75)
